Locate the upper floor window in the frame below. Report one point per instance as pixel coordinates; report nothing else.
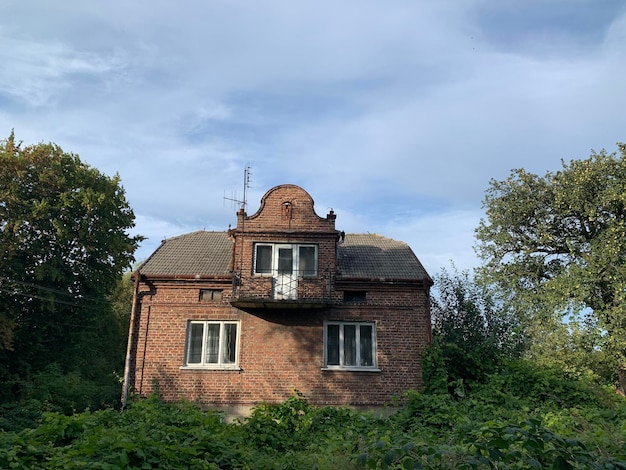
(350, 345)
(212, 344)
(285, 259)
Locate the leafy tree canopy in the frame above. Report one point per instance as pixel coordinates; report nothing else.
(557, 243)
(64, 244)
(474, 330)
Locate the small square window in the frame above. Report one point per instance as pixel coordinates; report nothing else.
(208, 295)
(354, 297)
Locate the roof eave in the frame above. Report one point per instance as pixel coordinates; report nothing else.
(384, 280)
(184, 277)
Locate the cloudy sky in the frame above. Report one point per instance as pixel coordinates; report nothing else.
(395, 113)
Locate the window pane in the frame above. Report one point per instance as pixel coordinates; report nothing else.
(285, 260)
(194, 355)
(229, 343)
(332, 345)
(307, 261)
(263, 259)
(366, 343)
(212, 346)
(349, 345)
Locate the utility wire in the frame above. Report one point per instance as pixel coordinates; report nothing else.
(56, 291)
(53, 300)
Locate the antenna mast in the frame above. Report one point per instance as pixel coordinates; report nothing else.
(246, 184)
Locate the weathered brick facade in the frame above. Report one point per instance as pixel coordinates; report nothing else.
(281, 341)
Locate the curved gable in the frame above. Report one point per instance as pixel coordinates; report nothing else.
(287, 207)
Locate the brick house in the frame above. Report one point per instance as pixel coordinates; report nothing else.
(282, 302)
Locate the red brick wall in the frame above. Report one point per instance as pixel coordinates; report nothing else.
(279, 351)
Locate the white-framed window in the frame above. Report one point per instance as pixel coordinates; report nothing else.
(212, 344)
(350, 345)
(285, 259)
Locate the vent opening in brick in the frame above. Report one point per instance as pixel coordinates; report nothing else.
(354, 296)
(207, 295)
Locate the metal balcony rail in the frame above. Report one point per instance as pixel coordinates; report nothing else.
(280, 286)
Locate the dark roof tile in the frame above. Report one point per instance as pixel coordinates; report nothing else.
(367, 256)
(360, 256)
(198, 253)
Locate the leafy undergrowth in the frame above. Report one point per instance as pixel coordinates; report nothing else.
(520, 419)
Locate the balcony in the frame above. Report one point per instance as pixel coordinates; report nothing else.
(276, 291)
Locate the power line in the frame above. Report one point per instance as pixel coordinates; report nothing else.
(53, 300)
(56, 291)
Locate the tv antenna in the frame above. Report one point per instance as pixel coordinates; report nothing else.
(246, 184)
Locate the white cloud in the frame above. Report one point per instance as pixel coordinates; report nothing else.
(396, 114)
(37, 72)
(439, 239)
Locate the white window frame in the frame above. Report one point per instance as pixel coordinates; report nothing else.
(342, 365)
(220, 364)
(296, 259)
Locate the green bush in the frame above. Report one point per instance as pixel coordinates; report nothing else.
(53, 390)
(521, 418)
(15, 416)
(545, 386)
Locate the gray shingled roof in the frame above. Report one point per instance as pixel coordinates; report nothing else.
(197, 253)
(360, 256)
(367, 256)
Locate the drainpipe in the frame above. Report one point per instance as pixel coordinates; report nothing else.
(131, 328)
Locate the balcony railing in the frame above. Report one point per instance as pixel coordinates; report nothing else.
(282, 290)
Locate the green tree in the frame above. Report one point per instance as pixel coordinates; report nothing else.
(64, 245)
(473, 329)
(574, 346)
(557, 245)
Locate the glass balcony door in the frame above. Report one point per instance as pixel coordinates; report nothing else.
(285, 276)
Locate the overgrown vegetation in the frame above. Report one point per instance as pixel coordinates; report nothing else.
(521, 417)
(474, 330)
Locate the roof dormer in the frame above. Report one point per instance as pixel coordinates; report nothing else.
(285, 254)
